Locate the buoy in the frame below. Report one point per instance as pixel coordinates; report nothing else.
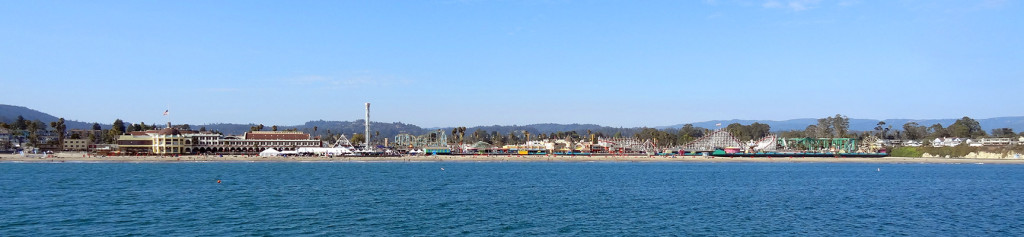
(218, 181)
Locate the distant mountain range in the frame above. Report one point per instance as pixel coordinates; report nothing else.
(9, 113)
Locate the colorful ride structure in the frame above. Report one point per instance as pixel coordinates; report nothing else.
(628, 145)
(819, 144)
(430, 140)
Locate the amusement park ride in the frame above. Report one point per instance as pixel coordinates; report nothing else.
(717, 143)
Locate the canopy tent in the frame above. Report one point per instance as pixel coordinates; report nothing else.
(270, 152)
(328, 151)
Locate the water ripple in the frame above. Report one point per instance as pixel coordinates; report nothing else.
(416, 199)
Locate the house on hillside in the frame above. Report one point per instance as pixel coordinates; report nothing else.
(912, 143)
(973, 142)
(996, 141)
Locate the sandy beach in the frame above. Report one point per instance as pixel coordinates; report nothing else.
(78, 157)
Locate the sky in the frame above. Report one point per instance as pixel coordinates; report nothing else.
(468, 63)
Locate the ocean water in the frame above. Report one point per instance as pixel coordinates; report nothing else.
(404, 199)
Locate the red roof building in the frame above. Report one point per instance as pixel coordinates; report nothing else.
(276, 135)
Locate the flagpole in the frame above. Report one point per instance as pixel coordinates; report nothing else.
(167, 113)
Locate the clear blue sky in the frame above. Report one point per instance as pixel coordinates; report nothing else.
(467, 63)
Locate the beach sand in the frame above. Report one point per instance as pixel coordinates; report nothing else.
(79, 157)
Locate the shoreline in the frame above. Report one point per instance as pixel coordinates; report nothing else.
(79, 158)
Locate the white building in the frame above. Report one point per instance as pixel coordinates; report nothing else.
(946, 141)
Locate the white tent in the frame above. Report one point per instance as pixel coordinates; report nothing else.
(270, 152)
(325, 151)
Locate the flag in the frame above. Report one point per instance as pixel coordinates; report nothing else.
(166, 111)
(717, 124)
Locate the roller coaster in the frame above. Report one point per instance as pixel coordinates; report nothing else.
(631, 144)
(433, 139)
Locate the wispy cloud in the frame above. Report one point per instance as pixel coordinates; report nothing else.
(993, 3)
(221, 90)
(793, 5)
(349, 80)
(307, 80)
(847, 3)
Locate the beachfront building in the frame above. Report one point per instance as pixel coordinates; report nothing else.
(167, 141)
(171, 141)
(76, 144)
(255, 142)
(6, 139)
(135, 144)
(203, 139)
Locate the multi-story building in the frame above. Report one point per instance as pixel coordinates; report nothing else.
(76, 144)
(167, 141)
(133, 144)
(170, 141)
(257, 141)
(96, 135)
(6, 139)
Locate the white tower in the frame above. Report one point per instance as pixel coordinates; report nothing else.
(367, 125)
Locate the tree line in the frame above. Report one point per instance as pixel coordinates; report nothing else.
(31, 131)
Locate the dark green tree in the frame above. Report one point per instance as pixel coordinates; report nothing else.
(880, 129)
(812, 131)
(824, 128)
(966, 127)
(118, 126)
(1003, 132)
(840, 125)
(357, 138)
(21, 123)
(937, 131)
(914, 131)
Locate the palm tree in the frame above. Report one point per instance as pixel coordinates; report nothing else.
(60, 128)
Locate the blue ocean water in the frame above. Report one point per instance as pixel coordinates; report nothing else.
(314, 199)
